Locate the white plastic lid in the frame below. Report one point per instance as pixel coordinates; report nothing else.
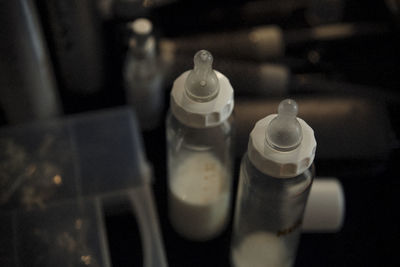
(202, 97)
(141, 26)
(282, 145)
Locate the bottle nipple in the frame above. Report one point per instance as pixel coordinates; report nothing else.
(202, 83)
(284, 132)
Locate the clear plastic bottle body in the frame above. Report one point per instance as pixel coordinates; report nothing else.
(143, 85)
(268, 217)
(199, 178)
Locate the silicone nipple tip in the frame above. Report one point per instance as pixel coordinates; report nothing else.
(284, 132)
(288, 107)
(204, 56)
(202, 83)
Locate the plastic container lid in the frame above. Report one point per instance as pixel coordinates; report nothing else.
(282, 145)
(202, 97)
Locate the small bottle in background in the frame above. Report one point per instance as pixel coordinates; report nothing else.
(143, 76)
(199, 144)
(276, 175)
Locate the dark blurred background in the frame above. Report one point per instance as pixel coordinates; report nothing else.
(339, 59)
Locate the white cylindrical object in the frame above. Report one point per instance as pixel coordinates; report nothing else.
(325, 208)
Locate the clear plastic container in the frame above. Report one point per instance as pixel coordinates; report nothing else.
(68, 233)
(199, 141)
(59, 178)
(276, 175)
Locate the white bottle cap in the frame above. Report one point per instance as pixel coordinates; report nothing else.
(325, 206)
(202, 97)
(141, 26)
(282, 145)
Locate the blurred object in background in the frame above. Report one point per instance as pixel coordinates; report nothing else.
(269, 42)
(129, 9)
(394, 7)
(27, 85)
(74, 33)
(320, 12)
(261, 43)
(143, 75)
(217, 15)
(318, 84)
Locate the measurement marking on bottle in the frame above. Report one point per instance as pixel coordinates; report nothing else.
(290, 229)
(209, 166)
